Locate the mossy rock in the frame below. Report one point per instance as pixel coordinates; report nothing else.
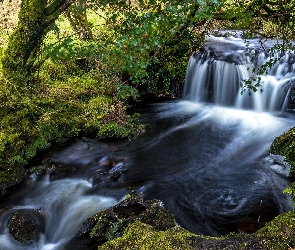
(23, 227)
(277, 235)
(11, 175)
(285, 145)
(143, 236)
(112, 223)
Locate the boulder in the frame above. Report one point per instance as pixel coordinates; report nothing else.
(111, 223)
(24, 227)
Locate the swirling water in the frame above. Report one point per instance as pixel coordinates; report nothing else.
(59, 206)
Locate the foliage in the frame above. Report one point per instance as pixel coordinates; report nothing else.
(152, 40)
(21, 50)
(78, 19)
(267, 18)
(264, 19)
(74, 76)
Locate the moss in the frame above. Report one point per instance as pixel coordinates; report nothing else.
(23, 227)
(279, 233)
(157, 216)
(107, 227)
(10, 176)
(112, 223)
(285, 145)
(142, 236)
(38, 170)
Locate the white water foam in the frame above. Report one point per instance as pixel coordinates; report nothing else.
(219, 82)
(64, 206)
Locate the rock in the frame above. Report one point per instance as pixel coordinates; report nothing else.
(291, 97)
(11, 176)
(23, 227)
(278, 234)
(111, 223)
(139, 235)
(115, 172)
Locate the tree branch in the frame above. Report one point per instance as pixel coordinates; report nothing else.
(53, 10)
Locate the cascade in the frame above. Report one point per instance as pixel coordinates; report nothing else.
(208, 163)
(216, 75)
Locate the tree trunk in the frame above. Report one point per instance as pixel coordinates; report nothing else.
(35, 17)
(77, 17)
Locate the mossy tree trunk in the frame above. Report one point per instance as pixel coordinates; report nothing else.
(35, 18)
(77, 17)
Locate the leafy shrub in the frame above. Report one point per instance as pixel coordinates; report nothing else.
(63, 100)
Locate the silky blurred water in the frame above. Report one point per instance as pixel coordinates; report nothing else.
(208, 162)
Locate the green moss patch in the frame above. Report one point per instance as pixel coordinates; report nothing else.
(285, 145)
(279, 233)
(112, 223)
(142, 236)
(10, 176)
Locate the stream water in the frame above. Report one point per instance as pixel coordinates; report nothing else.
(206, 157)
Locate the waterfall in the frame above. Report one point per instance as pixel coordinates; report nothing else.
(208, 164)
(216, 75)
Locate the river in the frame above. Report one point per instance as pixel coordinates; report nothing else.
(206, 157)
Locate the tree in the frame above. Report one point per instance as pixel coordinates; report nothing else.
(154, 39)
(18, 115)
(143, 47)
(269, 18)
(35, 18)
(77, 17)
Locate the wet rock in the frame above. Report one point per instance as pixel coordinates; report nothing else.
(98, 178)
(109, 171)
(11, 176)
(23, 227)
(246, 243)
(291, 97)
(115, 172)
(111, 223)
